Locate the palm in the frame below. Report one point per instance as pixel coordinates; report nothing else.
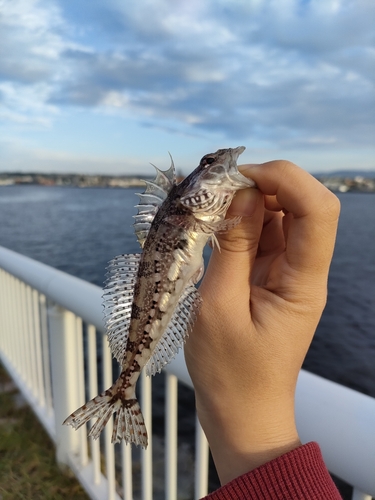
(262, 298)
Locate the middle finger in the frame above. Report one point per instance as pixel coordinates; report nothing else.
(272, 237)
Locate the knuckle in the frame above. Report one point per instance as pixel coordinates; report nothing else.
(238, 240)
(285, 166)
(330, 205)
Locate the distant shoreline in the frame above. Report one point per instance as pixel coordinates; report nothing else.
(334, 182)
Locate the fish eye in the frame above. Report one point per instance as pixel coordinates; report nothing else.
(209, 160)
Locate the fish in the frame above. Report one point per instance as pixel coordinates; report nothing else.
(150, 299)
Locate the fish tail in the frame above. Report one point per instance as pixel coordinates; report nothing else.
(128, 425)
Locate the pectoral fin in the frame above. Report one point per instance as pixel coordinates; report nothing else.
(117, 301)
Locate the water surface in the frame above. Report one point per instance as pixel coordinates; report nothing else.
(79, 230)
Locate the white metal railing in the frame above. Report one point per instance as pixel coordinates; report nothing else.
(46, 317)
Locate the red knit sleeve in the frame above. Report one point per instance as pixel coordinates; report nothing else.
(299, 474)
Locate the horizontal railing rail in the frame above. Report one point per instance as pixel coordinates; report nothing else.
(51, 333)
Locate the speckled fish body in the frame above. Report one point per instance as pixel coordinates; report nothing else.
(150, 300)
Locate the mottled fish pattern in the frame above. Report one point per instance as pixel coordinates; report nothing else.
(150, 301)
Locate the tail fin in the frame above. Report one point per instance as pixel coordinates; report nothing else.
(129, 424)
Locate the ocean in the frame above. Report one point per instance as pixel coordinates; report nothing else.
(79, 230)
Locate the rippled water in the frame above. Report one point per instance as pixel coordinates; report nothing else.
(79, 230)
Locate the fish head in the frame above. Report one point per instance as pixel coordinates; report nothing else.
(220, 170)
(215, 181)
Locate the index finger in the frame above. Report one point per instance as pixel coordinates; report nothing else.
(315, 209)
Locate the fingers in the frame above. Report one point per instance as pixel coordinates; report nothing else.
(271, 203)
(231, 266)
(272, 239)
(311, 228)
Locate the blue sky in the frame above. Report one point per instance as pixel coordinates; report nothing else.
(108, 86)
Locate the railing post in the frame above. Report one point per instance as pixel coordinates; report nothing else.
(201, 462)
(359, 495)
(171, 403)
(65, 379)
(47, 377)
(146, 454)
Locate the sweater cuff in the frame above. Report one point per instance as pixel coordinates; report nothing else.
(298, 474)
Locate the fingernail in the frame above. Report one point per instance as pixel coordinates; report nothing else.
(245, 202)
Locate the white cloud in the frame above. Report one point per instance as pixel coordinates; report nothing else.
(285, 73)
(115, 99)
(16, 154)
(34, 36)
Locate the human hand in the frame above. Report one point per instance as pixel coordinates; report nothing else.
(263, 296)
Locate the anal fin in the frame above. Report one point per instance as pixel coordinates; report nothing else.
(179, 327)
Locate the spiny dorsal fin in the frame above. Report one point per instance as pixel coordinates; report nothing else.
(179, 327)
(155, 193)
(117, 301)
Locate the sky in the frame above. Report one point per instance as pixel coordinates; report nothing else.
(108, 86)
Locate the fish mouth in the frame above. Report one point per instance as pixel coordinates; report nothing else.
(234, 175)
(236, 152)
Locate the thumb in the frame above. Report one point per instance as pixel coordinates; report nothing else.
(229, 268)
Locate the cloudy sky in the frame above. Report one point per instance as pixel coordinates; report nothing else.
(107, 86)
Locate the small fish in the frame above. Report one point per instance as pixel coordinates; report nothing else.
(150, 301)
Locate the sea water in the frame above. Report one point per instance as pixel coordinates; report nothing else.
(79, 230)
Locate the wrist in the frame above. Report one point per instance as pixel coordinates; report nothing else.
(245, 439)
